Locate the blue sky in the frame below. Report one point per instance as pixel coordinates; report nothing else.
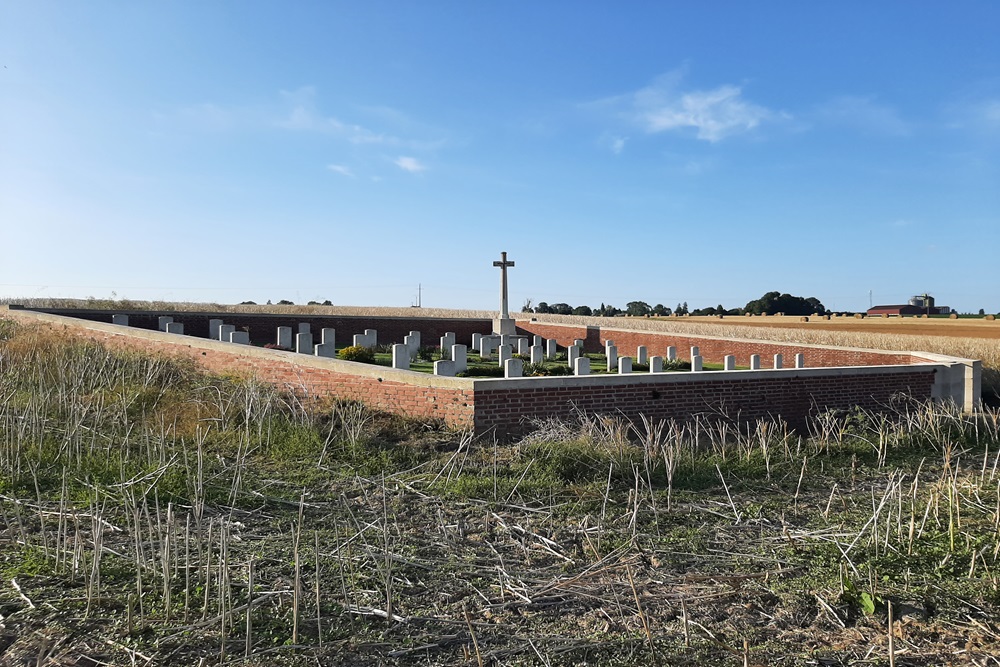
(654, 151)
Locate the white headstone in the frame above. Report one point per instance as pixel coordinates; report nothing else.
(695, 351)
(372, 336)
(328, 350)
(476, 340)
(120, 319)
(412, 345)
(447, 341)
(729, 362)
(486, 348)
(359, 340)
(304, 343)
(505, 353)
(522, 346)
(755, 362)
(401, 356)
(175, 328)
(213, 329)
(572, 354)
(579, 343)
(444, 367)
(655, 364)
(328, 336)
(696, 364)
(800, 360)
(550, 348)
(581, 366)
(460, 355)
(537, 354)
(513, 368)
(239, 337)
(611, 351)
(671, 353)
(536, 340)
(285, 338)
(641, 355)
(624, 365)
(778, 361)
(225, 330)
(416, 337)
(305, 328)
(164, 320)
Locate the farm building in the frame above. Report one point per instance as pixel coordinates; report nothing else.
(918, 305)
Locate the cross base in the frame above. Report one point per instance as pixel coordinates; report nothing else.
(504, 326)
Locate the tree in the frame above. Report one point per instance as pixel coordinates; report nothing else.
(562, 309)
(660, 310)
(637, 308)
(773, 303)
(526, 308)
(543, 307)
(286, 302)
(583, 310)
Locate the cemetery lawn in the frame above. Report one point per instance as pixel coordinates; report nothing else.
(152, 514)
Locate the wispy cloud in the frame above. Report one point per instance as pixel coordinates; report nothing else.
(714, 114)
(864, 114)
(410, 164)
(340, 169)
(302, 115)
(980, 115)
(666, 105)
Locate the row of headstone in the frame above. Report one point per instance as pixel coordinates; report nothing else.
(537, 350)
(227, 333)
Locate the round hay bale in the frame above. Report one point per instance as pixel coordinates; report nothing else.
(990, 318)
(858, 316)
(803, 319)
(720, 316)
(748, 314)
(953, 316)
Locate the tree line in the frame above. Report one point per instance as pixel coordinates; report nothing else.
(771, 303)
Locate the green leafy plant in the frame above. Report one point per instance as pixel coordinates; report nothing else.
(357, 353)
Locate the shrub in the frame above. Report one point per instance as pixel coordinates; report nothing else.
(547, 369)
(357, 353)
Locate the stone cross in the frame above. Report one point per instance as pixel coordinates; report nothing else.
(503, 264)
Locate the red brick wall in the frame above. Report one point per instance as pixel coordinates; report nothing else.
(745, 396)
(263, 327)
(453, 406)
(712, 350)
(790, 395)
